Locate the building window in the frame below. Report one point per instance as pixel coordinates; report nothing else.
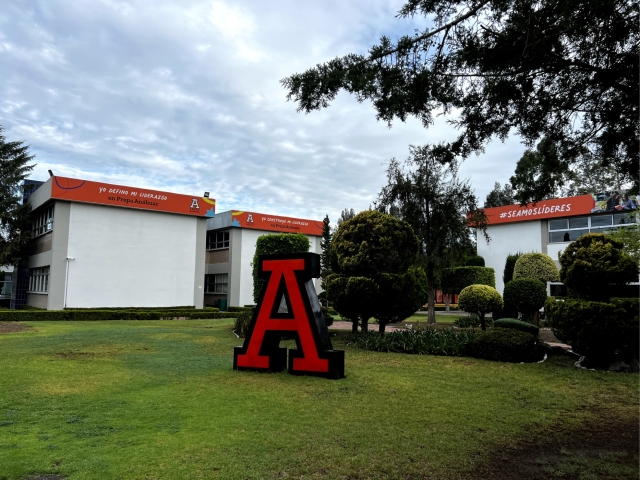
(39, 280)
(570, 229)
(5, 284)
(218, 240)
(43, 222)
(217, 283)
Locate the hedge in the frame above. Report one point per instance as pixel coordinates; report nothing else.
(596, 330)
(93, 315)
(137, 309)
(454, 280)
(504, 345)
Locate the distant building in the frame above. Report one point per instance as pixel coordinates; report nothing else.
(548, 227)
(102, 245)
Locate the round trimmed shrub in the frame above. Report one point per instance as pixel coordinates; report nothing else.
(527, 295)
(517, 325)
(480, 299)
(504, 345)
(536, 265)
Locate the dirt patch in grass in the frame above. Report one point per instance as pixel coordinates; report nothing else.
(46, 476)
(604, 448)
(13, 327)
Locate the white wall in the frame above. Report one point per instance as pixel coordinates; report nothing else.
(554, 249)
(248, 249)
(130, 258)
(508, 239)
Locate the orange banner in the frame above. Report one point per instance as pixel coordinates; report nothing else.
(275, 223)
(557, 207)
(75, 190)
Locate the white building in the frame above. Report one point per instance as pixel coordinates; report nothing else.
(101, 245)
(547, 227)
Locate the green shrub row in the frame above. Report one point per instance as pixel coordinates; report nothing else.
(454, 280)
(517, 325)
(239, 309)
(241, 325)
(422, 342)
(92, 315)
(499, 344)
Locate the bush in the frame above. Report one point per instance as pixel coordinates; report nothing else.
(238, 309)
(595, 266)
(241, 325)
(517, 325)
(527, 295)
(475, 261)
(596, 330)
(536, 265)
(509, 265)
(454, 280)
(480, 299)
(422, 342)
(504, 345)
(272, 245)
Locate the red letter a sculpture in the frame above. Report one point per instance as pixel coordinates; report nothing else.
(289, 307)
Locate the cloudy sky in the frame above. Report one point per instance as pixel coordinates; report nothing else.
(185, 96)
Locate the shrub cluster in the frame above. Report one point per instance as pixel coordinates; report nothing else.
(115, 314)
(467, 322)
(596, 330)
(423, 342)
(475, 261)
(238, 309)
(504, 345)
(517, 325)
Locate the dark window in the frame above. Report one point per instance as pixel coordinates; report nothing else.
(601, 221)
(216, 283)
(558, 224)
(218, 240)
(580, 222)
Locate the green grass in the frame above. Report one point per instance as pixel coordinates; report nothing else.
(159, 399)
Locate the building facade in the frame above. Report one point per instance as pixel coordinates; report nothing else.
(549, 227)
(101, 245)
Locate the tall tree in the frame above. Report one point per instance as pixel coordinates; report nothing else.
(440, 208)
(567, 70)
(346, 214)
(325, 256)
(15, 217)
(499, 196)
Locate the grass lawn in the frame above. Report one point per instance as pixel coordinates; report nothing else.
(159, 399)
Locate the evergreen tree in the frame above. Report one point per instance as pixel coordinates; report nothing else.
(441, 209)
(325, 256)
(562, 69)
(15, 217)
(500, 196)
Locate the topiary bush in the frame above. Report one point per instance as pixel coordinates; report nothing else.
(595, 266)
(527, 295)
(596, 330)
(272, 245)
(536, 265)
(241, 325)
(504, 345)
(517, 325)
(454, 280)
(480, 299)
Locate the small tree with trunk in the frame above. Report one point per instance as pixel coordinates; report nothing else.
(373, 258)
(442, 210)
